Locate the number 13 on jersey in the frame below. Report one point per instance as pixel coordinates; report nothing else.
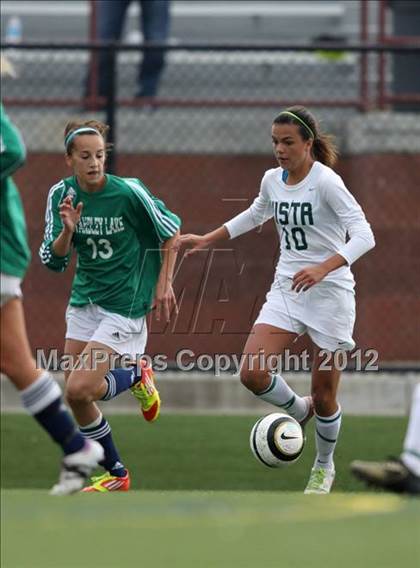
(103, 248)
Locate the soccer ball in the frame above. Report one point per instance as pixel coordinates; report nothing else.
(277, 440)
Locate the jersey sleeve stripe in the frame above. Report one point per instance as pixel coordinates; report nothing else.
(149, 201)
(165, 226)
(172, 227)
(49, 215)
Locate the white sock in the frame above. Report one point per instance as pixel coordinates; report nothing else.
(280, 394)
(40, 394)
(326, 434)
(411, 451)
(95, 423)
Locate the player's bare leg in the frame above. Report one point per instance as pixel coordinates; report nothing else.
(263, 342)
(41, 396)
(142, 385)
(72, 349)
(327, 424)
(87, 383)
(324, 386)
(17, 361)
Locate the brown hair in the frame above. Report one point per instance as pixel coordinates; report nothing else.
(323, 147)
(73, 125)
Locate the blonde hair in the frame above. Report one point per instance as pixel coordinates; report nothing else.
(93, 127)
(323, 146)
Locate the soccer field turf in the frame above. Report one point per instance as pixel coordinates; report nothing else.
(205, 501)
(209, 529)
(195, 452)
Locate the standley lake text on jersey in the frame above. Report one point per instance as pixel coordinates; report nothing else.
(100, 225)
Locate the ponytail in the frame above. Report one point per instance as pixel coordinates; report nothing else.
(324, 149)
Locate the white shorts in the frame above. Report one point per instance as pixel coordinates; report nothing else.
(9, 288)
(326, 312)
(93, 323)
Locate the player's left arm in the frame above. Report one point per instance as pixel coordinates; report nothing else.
(166, 226)
(165, 300)
(165, 222)
(361, 238)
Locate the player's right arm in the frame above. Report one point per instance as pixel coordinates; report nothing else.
(199, 242)
(12, 148)
(60, 223)
(258, 213)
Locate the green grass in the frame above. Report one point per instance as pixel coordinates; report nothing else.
(204, 502)
(209, 530)
(195, 452)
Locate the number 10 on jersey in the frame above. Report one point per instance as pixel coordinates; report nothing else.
(297, 235)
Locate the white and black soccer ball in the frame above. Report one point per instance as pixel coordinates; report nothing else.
(277, 440)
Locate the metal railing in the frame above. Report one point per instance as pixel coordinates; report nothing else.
(333, 75)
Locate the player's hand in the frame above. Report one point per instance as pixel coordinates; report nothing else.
(194, 242)
(308, 277)
(165, 301)
(70, 216)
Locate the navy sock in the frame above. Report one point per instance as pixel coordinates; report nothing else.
(43, 400)
(120, 380)
(100, 430)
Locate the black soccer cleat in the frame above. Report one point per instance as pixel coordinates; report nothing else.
(391, 475)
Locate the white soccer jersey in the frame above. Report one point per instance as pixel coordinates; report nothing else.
(313, 219)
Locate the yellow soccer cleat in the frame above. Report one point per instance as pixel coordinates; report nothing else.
(320, 481)
(147, 394)
(107, 482)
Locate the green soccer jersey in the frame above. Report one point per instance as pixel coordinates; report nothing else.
(14, 250)
(117, 241)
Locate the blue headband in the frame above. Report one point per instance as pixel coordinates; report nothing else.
(81, 130)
